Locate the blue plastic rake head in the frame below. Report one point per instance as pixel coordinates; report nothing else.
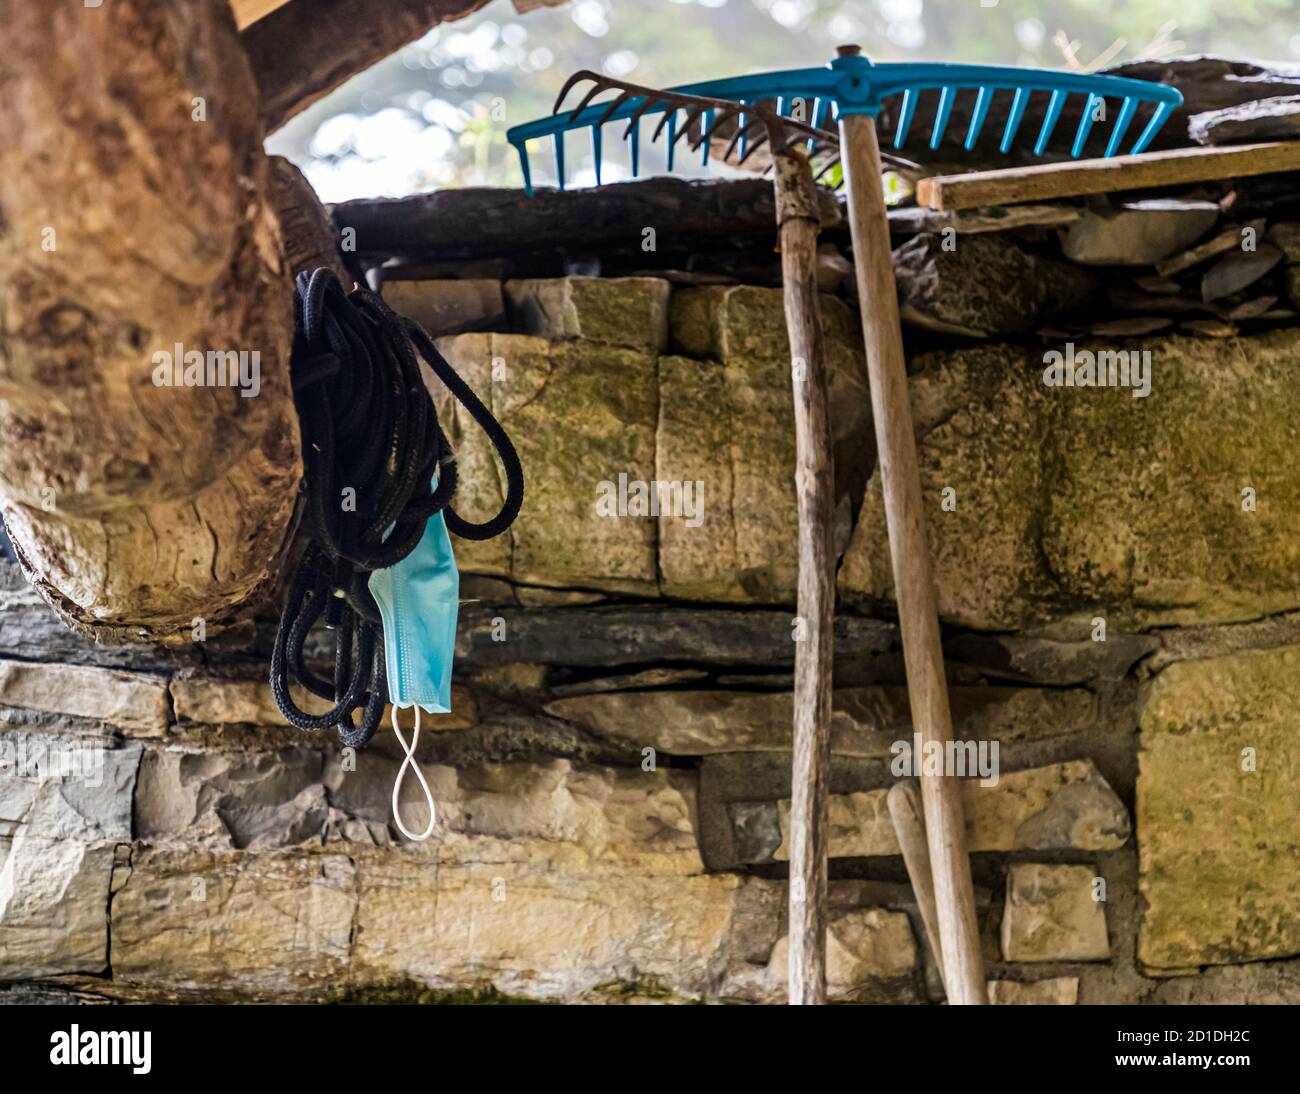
(852, 84)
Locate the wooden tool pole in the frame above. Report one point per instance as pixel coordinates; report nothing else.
(905, 810)
(796, 205)
(914, 586)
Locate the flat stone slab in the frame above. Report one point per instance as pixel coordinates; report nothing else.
(1056, 807)
(866, 721)
(1068, 503)
(1051, 914)
(132, 701)
(1138, 233)
(1218, 814)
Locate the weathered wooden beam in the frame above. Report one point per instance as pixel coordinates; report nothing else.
(483, 223)
(814, 485)
(1048, 181)
(136, 219)
(304, 50)
(250, 11)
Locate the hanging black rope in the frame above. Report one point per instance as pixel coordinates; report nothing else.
(369, 425)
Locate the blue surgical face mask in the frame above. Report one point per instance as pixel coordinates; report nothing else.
(419, 599)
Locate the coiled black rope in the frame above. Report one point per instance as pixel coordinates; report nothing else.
(368, 423)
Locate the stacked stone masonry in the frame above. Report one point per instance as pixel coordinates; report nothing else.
(613, 783)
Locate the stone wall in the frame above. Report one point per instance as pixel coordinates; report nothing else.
(613, 782)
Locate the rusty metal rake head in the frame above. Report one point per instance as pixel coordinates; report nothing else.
(701, 119)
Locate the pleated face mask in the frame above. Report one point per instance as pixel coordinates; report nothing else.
(419, 599)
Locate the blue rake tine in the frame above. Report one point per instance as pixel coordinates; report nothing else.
(905, 113)
(1126, 113)
(672, 137)
(522, 149)
(741, 127)
(634, 146)
(1085, 124)
(941, 116)
(1153, 126)
(1018, 105)
(1049, 122)
(595, 150)
(559, 157)
(813, 119)
(981, 110)
(704, 143)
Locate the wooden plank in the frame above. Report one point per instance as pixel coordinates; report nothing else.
(1044, 182)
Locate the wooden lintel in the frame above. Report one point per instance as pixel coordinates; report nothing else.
(250, 11)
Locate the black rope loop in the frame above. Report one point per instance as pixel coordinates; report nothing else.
(368, 425)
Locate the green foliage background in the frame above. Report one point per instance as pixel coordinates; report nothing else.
(435, 115)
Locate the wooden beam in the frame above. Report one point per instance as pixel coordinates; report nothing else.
(814, 485)
(478, 222)
(302, 51)
(137, 217)
(250, 11)
(1046, 182)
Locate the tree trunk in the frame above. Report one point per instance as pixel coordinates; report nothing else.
(135, 217)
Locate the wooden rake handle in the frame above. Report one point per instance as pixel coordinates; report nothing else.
(900, 476)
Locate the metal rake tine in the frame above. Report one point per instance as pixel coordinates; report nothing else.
(614, 105)
(741, 136)
(595, 90)
(693, 114)
(754, 144)
(826, 167)
(572, 82)
(903, 166)
(713, 118)
(666, 120)
(649, 103)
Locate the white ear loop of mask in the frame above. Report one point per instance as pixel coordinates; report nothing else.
(414, 765)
